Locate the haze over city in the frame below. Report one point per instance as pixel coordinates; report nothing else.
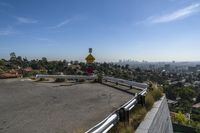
(116, 29)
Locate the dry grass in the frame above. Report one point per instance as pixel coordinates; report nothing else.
(156, 92)
(149, 101)
(122, 128)
(60, 80)
(127, 129)
(137, 116)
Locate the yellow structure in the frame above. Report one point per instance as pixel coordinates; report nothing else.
(90, 59)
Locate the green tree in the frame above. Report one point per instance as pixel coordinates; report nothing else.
(181, 118)
(25, 63)
(2, 63)
(187, 93)
(171, 92)
(34, 64)
(19, 61)
(127, 66)
(44, 60)
(12, 56)
(198, 99)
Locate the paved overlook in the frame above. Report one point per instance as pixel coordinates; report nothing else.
(35, 107)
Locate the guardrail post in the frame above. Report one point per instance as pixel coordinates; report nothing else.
(123, 115)
(141, 100)
(127, 115)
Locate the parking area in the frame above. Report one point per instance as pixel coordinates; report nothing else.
(35, 107)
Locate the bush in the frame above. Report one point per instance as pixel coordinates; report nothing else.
(149, 101)
(198, 128)
(195, 117)
(181, 118)
(60, 80)
(156, 93)
(137, 116)
(126, 129)
(32, 73)
(43, 72)
(42, 79)
(33, 78)
(81, 80)
(122, 128)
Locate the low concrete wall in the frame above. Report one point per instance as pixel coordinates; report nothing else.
(157, 119)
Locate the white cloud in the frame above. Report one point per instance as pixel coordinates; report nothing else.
(61, 24)
(7, 31)
(176, 15)
(26, 20)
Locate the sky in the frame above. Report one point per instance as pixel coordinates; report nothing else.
(150, 30)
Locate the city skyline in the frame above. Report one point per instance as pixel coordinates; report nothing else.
(141, 30)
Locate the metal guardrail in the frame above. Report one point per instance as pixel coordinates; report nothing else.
(71, 77)
(105, 125)
(140, 86)
(110, 121)
(133, 84)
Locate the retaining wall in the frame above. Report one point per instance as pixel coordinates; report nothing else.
(157, 119)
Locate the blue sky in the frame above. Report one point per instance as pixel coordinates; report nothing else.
(152, 30)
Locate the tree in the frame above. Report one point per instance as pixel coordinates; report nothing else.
(44, 60)
(25, 62)
(198, 99)
(12, 56)
(127, 66)
(171, 91)
(19, 58)
(34, 64)
(181, 118)
(187, 93)
(19, 61)
(138, 69)
(60, 66)
(2, 63)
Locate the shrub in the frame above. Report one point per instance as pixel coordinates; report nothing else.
(127, 129)
(32, 78)
(59, 80)
(43, 72)
(137, 116)
(156, 93)
(81, 80)
(195, 117)
(41, 79)
(122, 128)
(149, 101)
(181, 118)
(198, 128)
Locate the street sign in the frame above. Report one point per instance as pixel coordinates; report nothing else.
(90, 59)
(90, 50)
